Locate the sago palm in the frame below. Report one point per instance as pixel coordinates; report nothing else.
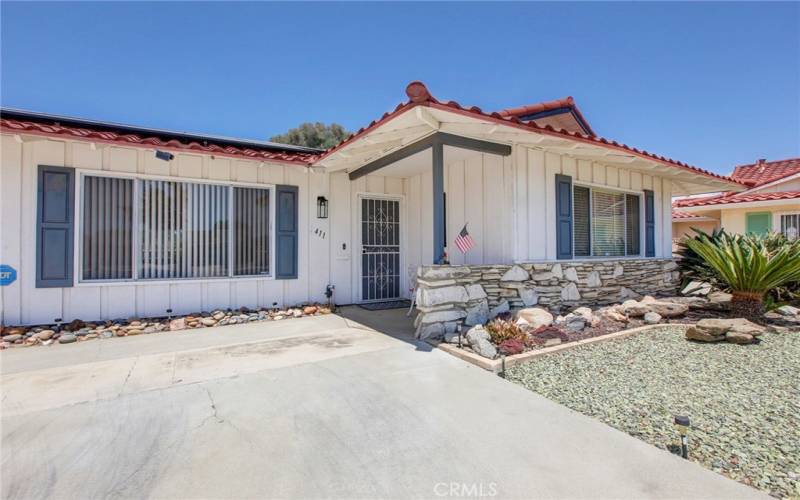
(749, 266)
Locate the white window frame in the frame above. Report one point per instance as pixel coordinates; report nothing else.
(136, 251)
(596, 187)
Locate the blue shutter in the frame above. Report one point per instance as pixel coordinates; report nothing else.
(563, 216)
(649, 224)
(286, 233)
(55, 223)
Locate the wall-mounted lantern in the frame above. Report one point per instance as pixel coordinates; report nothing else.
(322, 207)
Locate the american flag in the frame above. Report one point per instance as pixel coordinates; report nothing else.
(464, 241)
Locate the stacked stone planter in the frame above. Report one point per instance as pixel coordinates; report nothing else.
(449, 296)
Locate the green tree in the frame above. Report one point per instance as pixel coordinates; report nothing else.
(313, 135)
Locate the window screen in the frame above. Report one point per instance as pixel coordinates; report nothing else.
(184, 230)
(107, 228)
(251, 231)
(608, 223)
(581, 226)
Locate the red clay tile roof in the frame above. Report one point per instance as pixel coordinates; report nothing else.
(52, 129)
(540, 107)
(764, 172)
(420, 96)
(727, 198)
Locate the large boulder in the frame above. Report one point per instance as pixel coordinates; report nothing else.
(534, 317)
(735, 330)
(586, 313)
(668, 309)
(633, 308)
(477, 332)
(484, 348)
(574, 322)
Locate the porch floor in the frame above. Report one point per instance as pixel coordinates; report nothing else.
(392, 322)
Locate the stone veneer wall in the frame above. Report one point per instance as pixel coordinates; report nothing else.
(448, 296)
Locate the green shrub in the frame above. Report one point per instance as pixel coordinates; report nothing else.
(750, 266)
(695, 267)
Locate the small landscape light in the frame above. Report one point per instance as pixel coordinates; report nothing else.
(503, 365)
(682, 424)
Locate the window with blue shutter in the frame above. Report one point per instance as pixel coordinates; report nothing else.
(286, 244)
(55, 222)
(563, 216)
(649, 224)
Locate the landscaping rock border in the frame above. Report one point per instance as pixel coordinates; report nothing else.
(79, 331)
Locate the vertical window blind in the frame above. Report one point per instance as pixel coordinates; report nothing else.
(605, 223)
(581, 213)
(251, 239)
(107, 228)
(183, 230)
(608, 223)
(632, 235)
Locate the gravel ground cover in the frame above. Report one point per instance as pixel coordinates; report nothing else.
(743, 400)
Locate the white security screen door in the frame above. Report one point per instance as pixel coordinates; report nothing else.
(380, 249)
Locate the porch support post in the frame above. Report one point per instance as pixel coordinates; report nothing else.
(438, 202)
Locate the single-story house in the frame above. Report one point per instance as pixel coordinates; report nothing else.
(101, 220)
(771, 202)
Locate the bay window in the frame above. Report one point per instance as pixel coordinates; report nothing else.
(163, 230)
(605, 223)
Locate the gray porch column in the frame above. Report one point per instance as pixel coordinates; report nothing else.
(438, 202)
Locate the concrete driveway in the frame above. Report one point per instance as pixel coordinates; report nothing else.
(309, 408)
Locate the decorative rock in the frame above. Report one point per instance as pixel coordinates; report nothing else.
(307, 310)
(570, 293)
(593, 280)
(738, 337)
(516, 273)
(545, 276)
(484, 348)
(586, 313)
(634, 309)
(668, 309)
(694, 333)
(557, 271)
(720, 298)
(476, 333)
(534, 317)
(571, 274)
(429, 297)
(500, 308)
(106, 334)
(700, 288)
(475, 292)
(208, 321)
(651, 318)
(788, 311)
(442, 316)
(177, 324)
(430, 331)
(45, 334)
(135, 331)
(618, 270)
(12, 338)
(647, 299)
(218, 315)
(477, 314)
(529, 297)
(614, 315)
(574, 322)
(297, 313)
(67, 339)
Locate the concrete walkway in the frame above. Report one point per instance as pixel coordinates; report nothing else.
(308, 408)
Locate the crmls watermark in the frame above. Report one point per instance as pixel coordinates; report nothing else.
(465, 490)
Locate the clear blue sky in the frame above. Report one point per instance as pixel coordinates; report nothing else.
(712, 84)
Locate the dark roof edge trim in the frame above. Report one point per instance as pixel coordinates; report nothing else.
(68, 121)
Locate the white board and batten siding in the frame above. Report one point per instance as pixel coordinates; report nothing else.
(23, 303)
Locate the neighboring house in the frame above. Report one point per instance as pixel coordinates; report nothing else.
(771, 202)
(102, 220)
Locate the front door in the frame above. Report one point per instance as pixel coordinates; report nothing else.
(380, 249)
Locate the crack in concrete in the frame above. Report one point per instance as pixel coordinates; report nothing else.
(128, 376)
